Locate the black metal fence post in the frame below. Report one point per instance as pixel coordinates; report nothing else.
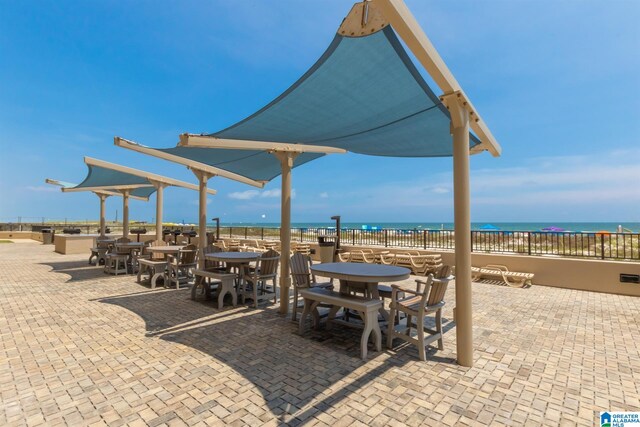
(386, 238)
(424, 239)
(602, 245)
(529, 241)
(261, 233)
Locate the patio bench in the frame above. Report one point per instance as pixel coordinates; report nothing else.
(511, 278)
(225, 281)
(156, 270)
(100, 255)
(367, 308)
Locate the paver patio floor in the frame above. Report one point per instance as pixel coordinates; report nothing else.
(78, 347)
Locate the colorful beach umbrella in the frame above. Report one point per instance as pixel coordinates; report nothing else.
(489, 227)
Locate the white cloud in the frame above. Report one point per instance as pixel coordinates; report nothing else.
(254, 194)
(244, 195)
(270, 193)
(440, 190)
(324, 195)
(580, 187)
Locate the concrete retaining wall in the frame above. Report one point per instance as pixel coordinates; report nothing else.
(17, 235)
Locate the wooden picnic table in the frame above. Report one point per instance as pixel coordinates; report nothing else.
(362, 276)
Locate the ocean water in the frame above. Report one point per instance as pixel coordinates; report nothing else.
(510, 226)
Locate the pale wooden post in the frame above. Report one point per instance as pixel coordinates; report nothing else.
(203, 177)
(462, 222)
(125, 213)
(103, 199)
(159, 205)
(286, 163)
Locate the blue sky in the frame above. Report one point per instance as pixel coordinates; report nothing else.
(557, 82)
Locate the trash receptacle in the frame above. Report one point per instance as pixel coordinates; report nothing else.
(47, 236)
(327, 248)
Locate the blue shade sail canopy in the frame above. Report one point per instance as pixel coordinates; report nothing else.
(257, 165)
(103, 177)
(363, 95)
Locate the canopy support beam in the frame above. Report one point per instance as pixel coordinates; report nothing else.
(191, 164)
(462, 225)
(405, 24)
(207, 141)
(125, 213)
(203, 177)
(286, 163)
(107, 187)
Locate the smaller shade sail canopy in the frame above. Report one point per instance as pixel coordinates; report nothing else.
(141, 193)
(110, 176)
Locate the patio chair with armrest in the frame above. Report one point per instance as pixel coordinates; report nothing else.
(180, 265)
(418, 305)
(255, 280)
(213, 265)
(302, 278)
(139, 253)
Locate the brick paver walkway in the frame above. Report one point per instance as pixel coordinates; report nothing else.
(78, 347)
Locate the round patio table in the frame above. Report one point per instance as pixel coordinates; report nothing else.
(233, 257)
(362, 276)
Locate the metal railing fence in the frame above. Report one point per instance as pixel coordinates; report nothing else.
(598, 245)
